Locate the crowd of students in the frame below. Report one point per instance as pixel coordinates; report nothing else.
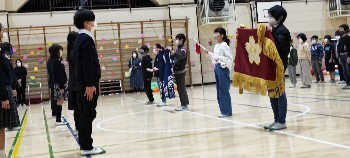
(168, 66)
(330, 52)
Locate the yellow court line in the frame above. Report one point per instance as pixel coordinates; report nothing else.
(18, 143)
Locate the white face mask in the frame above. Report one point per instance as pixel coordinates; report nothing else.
(134, 55)
(337, 37)
(313, 41)
(61, 53)
(300, 40)
(155, 51)
(215, 36)
(4, 35)
(325, 40)
(19, 64)
(95, 24)
(272, 21)
(177, 42)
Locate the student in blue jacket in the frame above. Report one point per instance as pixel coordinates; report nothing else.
(316, 50)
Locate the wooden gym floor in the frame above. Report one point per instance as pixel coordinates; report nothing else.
(318, 126)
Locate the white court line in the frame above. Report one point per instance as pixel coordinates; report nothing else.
(99, 125)
(280, 132)
(307, 110)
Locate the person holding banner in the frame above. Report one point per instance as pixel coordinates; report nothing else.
(281, 35)
(222, 58)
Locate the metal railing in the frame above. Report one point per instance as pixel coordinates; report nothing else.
(336, 9)
(63, 5)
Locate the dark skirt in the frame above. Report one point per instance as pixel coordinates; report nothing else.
(57, 93)
(9, 118)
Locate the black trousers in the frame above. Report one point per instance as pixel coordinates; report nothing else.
(58, 113)
(148, 89)
(53, 102)
(87, 116)
(21, 95)
(77, 118)
(181, 88)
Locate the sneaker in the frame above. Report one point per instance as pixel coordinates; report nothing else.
(341, 82)
(75, 132)
(346, 87)
(94, 151)
(308, 86)
(13, 128)
(150, 102)
(17, 128)
(223, 116)
(278, 126)
(61, 123)
(316, 81)
(321, 82)
(182, 108)
(269, 126)
(332, 81)
(161, 104)
(293, 86)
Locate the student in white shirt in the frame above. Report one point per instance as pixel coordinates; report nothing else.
(222, 58)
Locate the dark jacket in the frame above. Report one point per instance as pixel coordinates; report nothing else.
(50, 73)
(282, 39)
(3, 91)
(293, 57)
(344, 45)
(59, 73)
(146, 63)
(7, 77)
(180, 57)
(316, 52)
(156, 64)
(85, 59)
(21, 73)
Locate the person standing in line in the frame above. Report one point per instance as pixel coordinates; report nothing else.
(6, 53)
(73, 97)
(179, 69)
(21, 74)
(330, 57)
(162, 67)
(87, 78)
(340, 67)
(304, 56)
(147, 73)
(344, 52)
(222, 58)
(59, 80)
(135, 72)
(277, 16)
(52, 90)
(292, 65)
(316, 50)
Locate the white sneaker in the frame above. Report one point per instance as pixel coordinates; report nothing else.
(61, 123)
(94, 151)
(75, 132)
(346, 87)
(161, 104)
(182, 108)
(341, 82)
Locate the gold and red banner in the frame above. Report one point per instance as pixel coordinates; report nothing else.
(258, 66)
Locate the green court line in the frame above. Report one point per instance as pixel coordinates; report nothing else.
(48, 135)
(17, 135)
